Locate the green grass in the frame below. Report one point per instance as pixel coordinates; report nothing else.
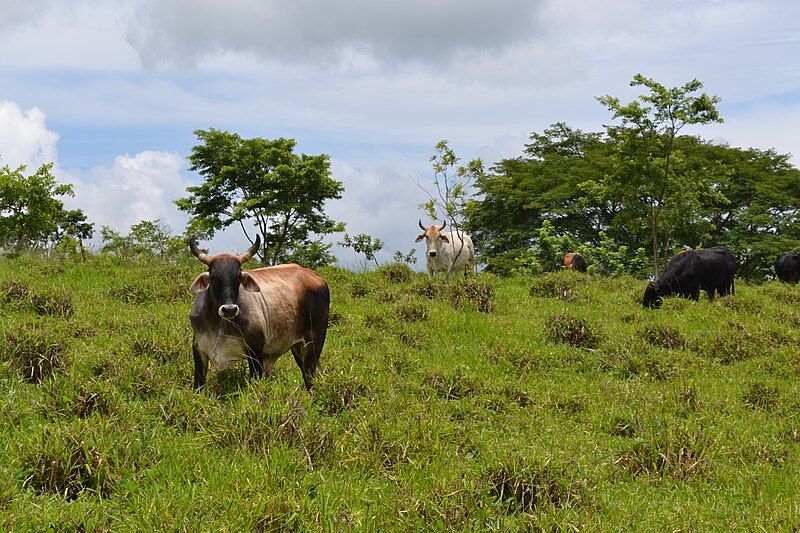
(500, 404)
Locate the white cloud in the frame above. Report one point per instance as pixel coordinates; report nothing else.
(134, 188)
(24, 137)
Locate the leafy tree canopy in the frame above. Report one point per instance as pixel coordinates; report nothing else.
(264, 183)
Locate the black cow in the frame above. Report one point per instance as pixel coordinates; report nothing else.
(689, 272)
(787, 267)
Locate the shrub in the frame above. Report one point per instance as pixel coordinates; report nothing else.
(359, 288)
(571, 330)
(732, 345)
(524, 487)
(397, 272)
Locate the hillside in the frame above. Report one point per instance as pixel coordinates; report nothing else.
(428, 413)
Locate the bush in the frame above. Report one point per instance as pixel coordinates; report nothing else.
(19, 296)
(412, 312)
(571, 330)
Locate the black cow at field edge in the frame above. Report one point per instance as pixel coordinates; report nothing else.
(787, 267)
(687, 273)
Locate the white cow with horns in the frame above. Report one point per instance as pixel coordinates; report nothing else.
(446, 251)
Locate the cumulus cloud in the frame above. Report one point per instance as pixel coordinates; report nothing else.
(317, 31)
(380, 201)
(24, 137)
(134, 188)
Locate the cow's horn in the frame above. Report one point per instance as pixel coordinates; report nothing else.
(203, 258)
(243, 258)
(444, 223)
(421, 226)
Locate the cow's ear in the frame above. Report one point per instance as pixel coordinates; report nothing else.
(202, 282)
(420, 237)
(248, 283)
(444, 238)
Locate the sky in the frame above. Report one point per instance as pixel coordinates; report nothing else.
(111, 91)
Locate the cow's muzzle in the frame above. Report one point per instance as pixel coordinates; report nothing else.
(432, 253)
(228, 310)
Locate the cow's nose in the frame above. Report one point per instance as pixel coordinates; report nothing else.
(432, 253)
(228, 310)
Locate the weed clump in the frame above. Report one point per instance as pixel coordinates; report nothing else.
(526, 488)
(761, 396)
(558, 285)
(733, 345)
(20, 296)
(89, 402)
(412, 312)
(150, 344)
(575, 331)
(662, 335)
(333, 396)
(35, 354)
(678, 452)
(131, 294)
(453, 386)
(359, 288)
(475, 292)
(64, 465)
(396, 272)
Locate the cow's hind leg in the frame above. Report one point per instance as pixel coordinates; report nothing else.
(307, 352)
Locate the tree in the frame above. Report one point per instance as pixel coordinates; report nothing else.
(261, 182)
(652, 179)
(73, 226)
(146, 239)
(363, 244)
(452, 187)
(30, 208)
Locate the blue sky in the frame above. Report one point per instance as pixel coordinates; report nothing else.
(111, 90)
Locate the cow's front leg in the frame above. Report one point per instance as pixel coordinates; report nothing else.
(200, 367)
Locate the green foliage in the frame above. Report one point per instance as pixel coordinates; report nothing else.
(641, 184)
(146, 239)
(452, 185)
(264, 182)
(363, 244)
(31, 213)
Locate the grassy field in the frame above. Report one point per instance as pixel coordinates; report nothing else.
(505, 404)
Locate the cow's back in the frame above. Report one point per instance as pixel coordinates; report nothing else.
(281, 307)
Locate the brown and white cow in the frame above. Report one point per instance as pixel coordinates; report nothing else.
(256, 315)
(574, 261)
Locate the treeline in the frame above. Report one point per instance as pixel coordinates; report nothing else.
(562, 188)
(640, 188)
(627, 197)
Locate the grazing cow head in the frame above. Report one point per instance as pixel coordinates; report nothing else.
(224, 277)
(432, 236)
(651, 297)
